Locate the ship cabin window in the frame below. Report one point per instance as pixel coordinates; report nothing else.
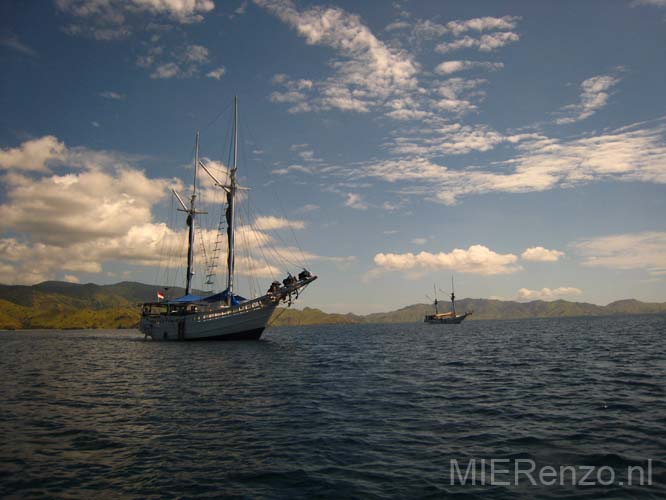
(154, 309)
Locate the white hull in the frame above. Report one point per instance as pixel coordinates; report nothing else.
(239, 323)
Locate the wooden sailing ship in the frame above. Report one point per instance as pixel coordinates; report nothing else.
(225, 315)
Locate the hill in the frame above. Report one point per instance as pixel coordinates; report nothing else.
(55, 304)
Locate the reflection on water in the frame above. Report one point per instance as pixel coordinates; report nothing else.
(351, 410)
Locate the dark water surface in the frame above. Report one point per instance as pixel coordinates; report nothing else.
(365, 411)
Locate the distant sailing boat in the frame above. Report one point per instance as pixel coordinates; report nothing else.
(225, 315)
(449, 318)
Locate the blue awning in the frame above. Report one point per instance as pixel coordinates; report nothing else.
(222, 297)
(187, 298)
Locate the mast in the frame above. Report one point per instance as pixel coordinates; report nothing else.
(191, 212)
(231, 193)
(453, 298)
(434, 287)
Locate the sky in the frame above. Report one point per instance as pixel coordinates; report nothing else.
(517, 146)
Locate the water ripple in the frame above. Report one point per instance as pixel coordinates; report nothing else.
(358, 411)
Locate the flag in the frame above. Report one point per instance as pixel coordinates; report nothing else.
(160, 296)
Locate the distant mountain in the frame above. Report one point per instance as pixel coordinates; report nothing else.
(56, 304)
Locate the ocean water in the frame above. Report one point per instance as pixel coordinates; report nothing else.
(353, 411)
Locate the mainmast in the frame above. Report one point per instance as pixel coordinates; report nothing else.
(190, 222)
(231, 193)
(434, 287)
(453, 298)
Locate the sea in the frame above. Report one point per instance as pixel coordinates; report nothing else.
(540, 408)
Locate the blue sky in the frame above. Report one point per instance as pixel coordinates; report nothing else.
(520, 146)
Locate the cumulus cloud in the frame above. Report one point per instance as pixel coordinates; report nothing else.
(548, 293)
(477, 259)
(485, 43)
(32, 261)
(65, 221)
(98, 208)
(355, 201)
(270, 222)
(35, 154)
(183, 62)
(541, 254)
(216, 73)
(644, 250)
(482, 24)
(366, 71)
(109, 19)
(594, 95)
(75, 207)
(448, 67)
(428, 29)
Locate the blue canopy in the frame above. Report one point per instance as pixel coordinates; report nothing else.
(187, 298)
(222, 297)
(218, 297)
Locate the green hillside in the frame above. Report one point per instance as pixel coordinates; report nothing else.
(55, 304)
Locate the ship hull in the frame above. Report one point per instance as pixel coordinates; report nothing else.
(234, 325)
(455, 320)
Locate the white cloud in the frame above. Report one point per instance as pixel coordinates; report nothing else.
(291, 168)
(428, 29)
(310, 207)
(28, 260)
(644, 250)
(355, 201)
(452, 88)
(70, 278)
(548, 293)
(448, 67)
(482, 24)
(420, 241)
(167, 70)
(185, 62)
(75, 207)
(477, 259)
(68, 221)
(634, 153)
(446, 139)
(366, 72)
(541, 254)
(98, 209)
(398, 25)
(485, 43)
(114, 12)
(35, 154)
(270, 222)
(594, 96)
(216, 73)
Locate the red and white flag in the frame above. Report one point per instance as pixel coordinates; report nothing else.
(160, 296)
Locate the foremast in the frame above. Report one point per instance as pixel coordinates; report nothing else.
(191, 212)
